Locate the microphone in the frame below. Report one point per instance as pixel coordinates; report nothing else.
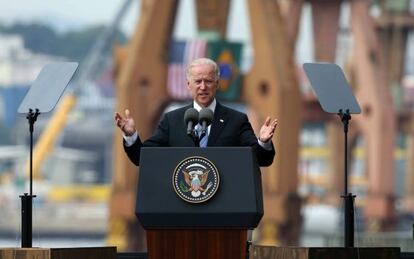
(190, 119)
(205, 118)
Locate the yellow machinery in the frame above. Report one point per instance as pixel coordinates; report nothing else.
(47, 140)
(270, 88)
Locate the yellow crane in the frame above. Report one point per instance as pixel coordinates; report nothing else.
(54, 128)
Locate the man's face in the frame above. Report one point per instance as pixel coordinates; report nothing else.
(203, 84)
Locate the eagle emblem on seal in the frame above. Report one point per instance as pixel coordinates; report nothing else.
(195, 179)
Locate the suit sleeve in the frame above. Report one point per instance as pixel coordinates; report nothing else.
(158, 139)
(248, 138)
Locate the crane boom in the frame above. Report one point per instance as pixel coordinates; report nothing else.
(56, 125)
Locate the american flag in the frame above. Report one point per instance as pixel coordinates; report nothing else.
(181, 54)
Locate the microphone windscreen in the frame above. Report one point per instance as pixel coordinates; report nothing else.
(191, 114)
(206, 115)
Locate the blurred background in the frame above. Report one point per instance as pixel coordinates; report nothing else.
(133, 54)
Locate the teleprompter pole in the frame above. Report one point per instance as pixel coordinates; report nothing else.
(348, 197)
(27, 199)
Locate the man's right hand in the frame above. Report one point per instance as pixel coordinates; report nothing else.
(127, 124)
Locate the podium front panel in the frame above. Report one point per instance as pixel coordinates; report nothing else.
(237, 202)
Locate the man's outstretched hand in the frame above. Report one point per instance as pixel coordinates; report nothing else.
(127, 124)
(267, 130)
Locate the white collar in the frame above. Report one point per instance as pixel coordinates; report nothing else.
(212, 106)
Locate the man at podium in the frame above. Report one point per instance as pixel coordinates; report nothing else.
(228, 127)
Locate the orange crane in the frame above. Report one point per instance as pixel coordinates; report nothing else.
(368, 78)
(271, 88)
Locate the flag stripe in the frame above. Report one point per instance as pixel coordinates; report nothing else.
(184, 54)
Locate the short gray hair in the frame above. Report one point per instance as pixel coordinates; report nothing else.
(202, 61)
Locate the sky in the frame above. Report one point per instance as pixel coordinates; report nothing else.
(73, 14)
(66, 13)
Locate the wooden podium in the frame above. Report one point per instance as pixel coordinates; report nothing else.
(214, 228)
(59, 253)
(200, 244)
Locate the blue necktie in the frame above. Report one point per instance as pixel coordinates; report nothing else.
(204, 138)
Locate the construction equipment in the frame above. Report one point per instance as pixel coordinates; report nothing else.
(378, 117)
(271, 87)
(54, 128)
(141, 76)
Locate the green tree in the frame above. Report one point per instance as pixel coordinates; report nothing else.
(75, 45)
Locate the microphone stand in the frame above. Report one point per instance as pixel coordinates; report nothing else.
(194, 137)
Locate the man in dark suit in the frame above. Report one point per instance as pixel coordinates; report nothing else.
(228, 128)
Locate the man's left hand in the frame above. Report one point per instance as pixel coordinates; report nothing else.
(267, 130)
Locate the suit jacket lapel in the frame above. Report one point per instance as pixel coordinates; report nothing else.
(219, 121)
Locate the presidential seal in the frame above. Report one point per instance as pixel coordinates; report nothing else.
(196, 179)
